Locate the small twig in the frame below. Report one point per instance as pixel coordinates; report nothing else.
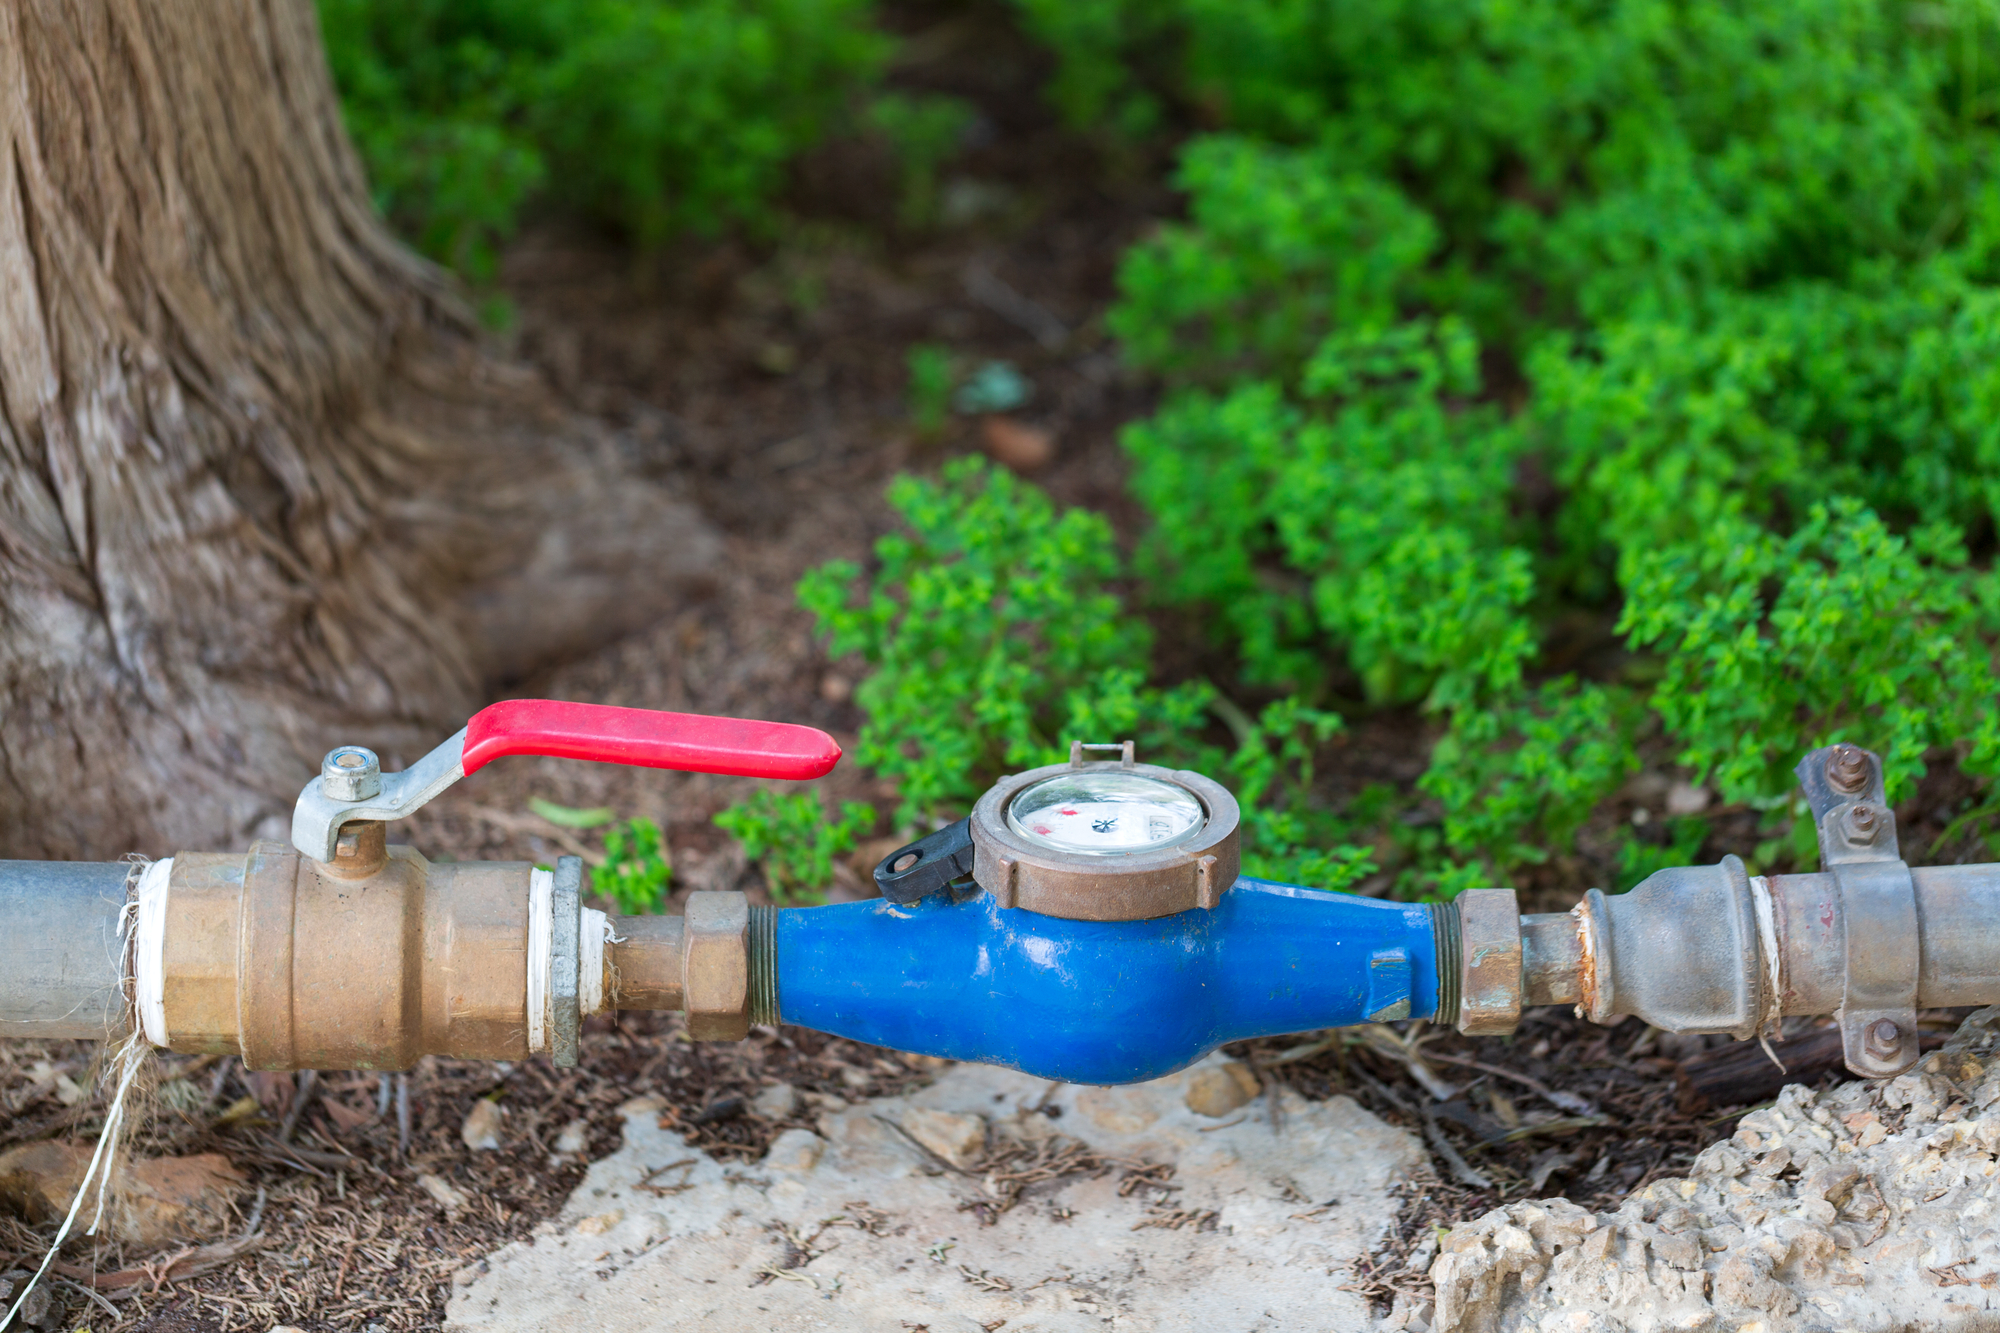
(307, 1086)
(402, 1115)
(82, 1290)
(1562, 1101)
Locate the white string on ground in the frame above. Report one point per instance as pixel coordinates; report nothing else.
(149, 941)
(131, 1054)
(592, 936)
(541, 943)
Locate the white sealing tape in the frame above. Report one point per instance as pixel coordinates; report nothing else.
(149, 943)
(541, 943)
(1767, 940)
(592, 936)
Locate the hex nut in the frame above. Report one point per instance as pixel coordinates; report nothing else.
(1861, 824)
(715, 966)
(1489, 924)
(1885, 1039)
(351, 773)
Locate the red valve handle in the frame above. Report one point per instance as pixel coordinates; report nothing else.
(645, 738)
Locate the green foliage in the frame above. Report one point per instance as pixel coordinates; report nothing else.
(978, 625)
(636, 871)
(1386, 496)
(795, 840)
(654, 115)
(1282, 246)
(1491, 324)
(1520, 777)
(1841, 631)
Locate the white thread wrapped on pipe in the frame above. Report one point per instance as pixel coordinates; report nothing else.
(541, 943)
(149, 943)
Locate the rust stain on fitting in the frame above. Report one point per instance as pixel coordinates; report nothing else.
(1586, 967)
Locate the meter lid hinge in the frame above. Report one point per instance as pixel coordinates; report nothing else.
(1127, 752)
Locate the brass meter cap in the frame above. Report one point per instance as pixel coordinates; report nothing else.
(1105, 841)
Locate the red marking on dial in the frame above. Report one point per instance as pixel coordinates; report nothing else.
(1043, 829)
(1066, 812)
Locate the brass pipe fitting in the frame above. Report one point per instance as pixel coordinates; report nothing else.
(379, 957)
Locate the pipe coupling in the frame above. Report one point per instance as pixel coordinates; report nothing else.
(728, 966)
(1489, 968)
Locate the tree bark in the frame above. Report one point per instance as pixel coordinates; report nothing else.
(261, 490)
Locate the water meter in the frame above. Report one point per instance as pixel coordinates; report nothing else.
(1089, 840)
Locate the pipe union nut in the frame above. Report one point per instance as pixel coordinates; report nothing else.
(1489, 924)
(715, 966)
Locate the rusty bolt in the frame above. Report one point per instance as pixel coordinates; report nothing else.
(1885, 1039)
(1847, 769)
(715, 966)
(1863, 824)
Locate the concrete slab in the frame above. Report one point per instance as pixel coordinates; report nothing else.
(1190, 1222)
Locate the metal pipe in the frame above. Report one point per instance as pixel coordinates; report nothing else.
(65, 967)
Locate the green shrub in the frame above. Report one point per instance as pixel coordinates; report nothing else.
(976, 625)
(1840, 631)
(653, 115)
(1386, 496)
(1665, 319)
(636, 871)
(793, 839)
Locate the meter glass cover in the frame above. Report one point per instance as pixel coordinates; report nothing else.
(1105, 813)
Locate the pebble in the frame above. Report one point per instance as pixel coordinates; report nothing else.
(1216, 1090)
(481, 1130)
(780, 1101)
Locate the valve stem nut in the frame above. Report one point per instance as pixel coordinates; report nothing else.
(350, 773)
(1885, 1039)
(1489, 923)
(715, 966)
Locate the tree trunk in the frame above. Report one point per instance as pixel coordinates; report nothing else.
(261, 491)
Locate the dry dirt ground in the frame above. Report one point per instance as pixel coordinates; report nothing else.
(768, 383)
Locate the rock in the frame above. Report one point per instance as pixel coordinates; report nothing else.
(867, 1232)
(1216, 1090)
(1016, 445)
(481, 1130)
(780, 1101)
(1869, 1207)
(958, 1139)
(150, 1201)
(447, 1195)
(574, 1138)
(41, 1309)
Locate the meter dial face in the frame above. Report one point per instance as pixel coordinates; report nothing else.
(1105, 814)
